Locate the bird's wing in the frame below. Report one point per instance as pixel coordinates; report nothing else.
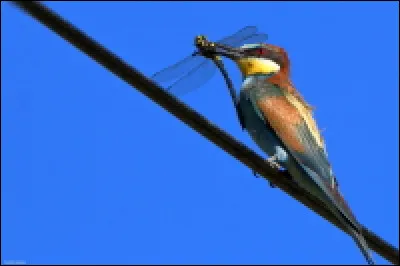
(297, 134)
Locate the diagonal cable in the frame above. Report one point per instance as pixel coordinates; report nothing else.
(193, 119)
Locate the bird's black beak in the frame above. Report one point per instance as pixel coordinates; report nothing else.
(232, 53)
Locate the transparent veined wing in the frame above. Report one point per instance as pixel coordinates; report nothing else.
(256, 38)
(201, 74)
(184, 66)
(246, 35)
(195, 71)
(195, 78)
(179, 69)
(243, 33)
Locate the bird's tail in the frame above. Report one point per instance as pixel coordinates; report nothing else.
(362, 244)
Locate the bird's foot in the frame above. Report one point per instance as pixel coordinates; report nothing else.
(273, 163)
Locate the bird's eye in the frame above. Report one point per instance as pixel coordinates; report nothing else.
(257, 52)
(254, 52)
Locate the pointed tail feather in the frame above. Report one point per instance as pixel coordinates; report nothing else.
(362, 244)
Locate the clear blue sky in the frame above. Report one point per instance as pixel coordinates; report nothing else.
(95, 172)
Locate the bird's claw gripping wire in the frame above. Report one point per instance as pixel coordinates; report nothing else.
(273, 164)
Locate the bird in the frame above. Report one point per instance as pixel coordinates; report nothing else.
(281, 123)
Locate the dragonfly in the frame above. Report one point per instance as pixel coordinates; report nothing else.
(198, 68)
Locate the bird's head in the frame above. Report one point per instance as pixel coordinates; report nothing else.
(259, 59)
(253, 59)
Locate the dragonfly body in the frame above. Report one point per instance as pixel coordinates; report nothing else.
(278, 119)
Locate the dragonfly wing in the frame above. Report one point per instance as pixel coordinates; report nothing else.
(194, 71)
(239, 35)
(177, 70)
(256, 38)
(196, 77)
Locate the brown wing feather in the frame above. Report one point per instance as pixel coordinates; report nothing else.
(290, 126)
(283, 118)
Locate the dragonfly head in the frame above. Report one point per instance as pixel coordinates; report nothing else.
(200, 41)
(205, 47)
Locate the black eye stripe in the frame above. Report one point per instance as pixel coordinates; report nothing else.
(267, 53)
(259, 51)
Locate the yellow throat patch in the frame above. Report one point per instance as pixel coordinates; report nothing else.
(250, 65)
